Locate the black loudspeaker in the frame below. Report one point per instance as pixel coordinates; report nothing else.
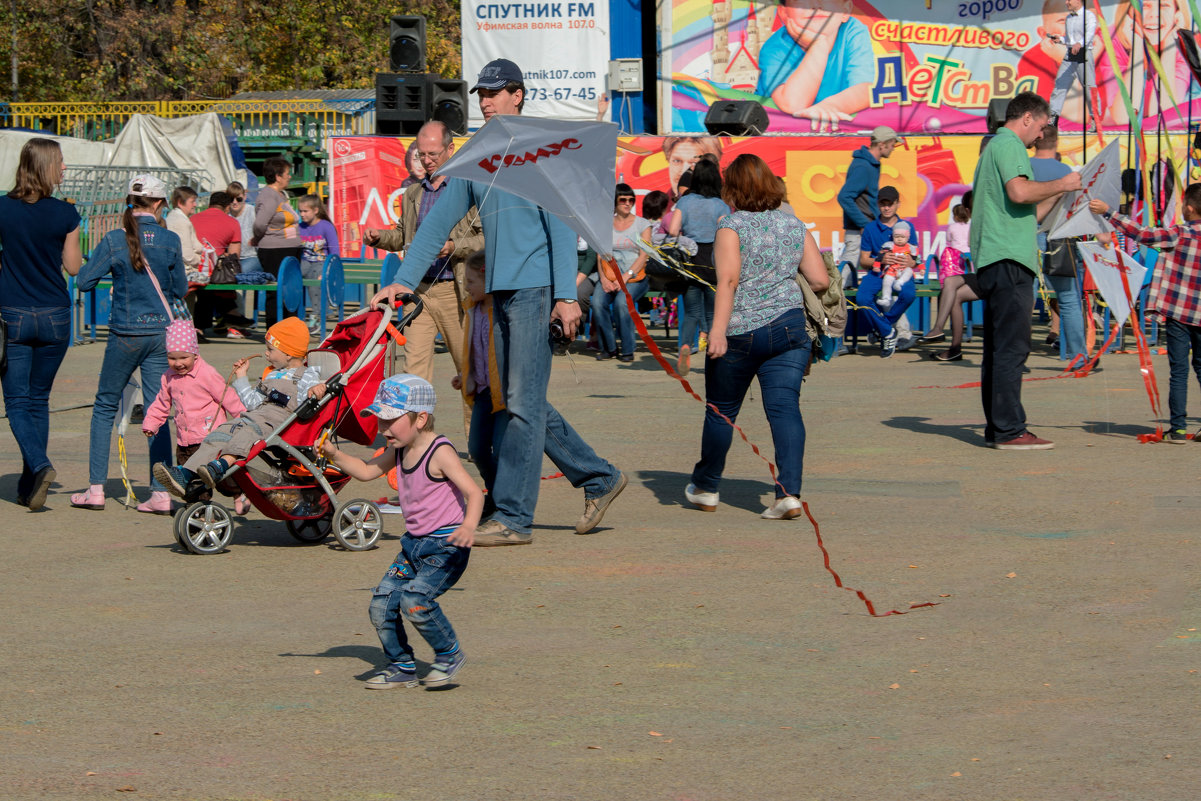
(736, 118)
(996, 114)
(406, 44)
(401, 103)
(448, 104)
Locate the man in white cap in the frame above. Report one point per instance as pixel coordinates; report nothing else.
(858, 194)
(531, 258)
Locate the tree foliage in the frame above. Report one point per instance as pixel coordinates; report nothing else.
(92, 50)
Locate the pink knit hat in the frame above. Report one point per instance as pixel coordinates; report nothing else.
(181, 337)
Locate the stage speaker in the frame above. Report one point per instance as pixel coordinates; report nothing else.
(1132, 182)
(401, 103)
(448, 104)
(736, 118)
(996, 114)
(406, 44)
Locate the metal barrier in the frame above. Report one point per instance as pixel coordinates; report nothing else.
(251, 119)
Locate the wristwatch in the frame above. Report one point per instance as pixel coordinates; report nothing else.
(566, 300)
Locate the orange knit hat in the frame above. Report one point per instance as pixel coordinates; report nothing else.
(289, 335)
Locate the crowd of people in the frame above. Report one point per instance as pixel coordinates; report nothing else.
(493, 290)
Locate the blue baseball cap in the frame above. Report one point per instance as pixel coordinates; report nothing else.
(498, 74)
(402, 393)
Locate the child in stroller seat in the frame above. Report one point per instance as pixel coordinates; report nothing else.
(284, 385)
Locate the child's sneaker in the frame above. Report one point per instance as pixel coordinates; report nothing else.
(392, 677)
(444, 669)
(1177, 437)
(175, 479)
(212, 473)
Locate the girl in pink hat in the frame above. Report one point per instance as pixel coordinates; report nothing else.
(201, 399)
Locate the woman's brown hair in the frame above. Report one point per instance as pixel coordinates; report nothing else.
(137, 259)
(39, 170)
(750, 185)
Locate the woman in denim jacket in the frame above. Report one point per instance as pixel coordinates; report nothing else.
(41, 239)
(136, 328)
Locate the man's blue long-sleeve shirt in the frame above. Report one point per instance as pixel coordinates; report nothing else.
(524, 246)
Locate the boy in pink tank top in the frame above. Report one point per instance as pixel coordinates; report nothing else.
(442, 506)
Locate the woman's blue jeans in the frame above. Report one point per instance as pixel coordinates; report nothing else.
(122, 356)
(1071, 314)
(37, 342)
(438, 565)
(1181, 340)
(697, 314)
(603, 319)
(777, 354)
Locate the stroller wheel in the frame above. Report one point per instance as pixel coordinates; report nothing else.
(206, 528)
(310, 532)
(358, 524)
(177, 524)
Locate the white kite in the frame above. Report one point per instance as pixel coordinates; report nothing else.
(566, 168)
(1106, 266)
(1102, 180)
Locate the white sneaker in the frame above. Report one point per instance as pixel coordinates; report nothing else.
(705, 501)
(785, 508)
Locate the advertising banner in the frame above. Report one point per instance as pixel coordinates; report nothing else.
(562, 48)
(932, 67)
(931, 174)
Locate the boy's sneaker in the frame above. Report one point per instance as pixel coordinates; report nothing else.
(1178, 436)
(212, 473)
(175, 479)
(444, 669)
(392, 677)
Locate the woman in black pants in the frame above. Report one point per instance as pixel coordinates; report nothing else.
(276, 224)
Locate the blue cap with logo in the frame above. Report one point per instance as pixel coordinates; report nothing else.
(402, 393)
(497, 75)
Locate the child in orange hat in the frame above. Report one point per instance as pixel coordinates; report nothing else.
(268, 403)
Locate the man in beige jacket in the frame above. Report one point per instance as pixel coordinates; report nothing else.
(442, 287)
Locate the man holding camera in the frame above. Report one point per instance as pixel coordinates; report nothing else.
(531, 269)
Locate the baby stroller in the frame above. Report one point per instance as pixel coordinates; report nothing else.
(282, 476)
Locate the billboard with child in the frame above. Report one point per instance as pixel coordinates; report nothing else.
(930, 173)
(920, 67)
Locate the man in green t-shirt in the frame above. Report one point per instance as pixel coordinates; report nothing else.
(1006, 206)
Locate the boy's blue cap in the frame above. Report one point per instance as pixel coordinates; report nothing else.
(402, 393)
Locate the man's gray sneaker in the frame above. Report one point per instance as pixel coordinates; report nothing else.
(594, 508)
(392, 677)
(493, 533)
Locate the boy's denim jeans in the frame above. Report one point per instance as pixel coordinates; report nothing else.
(438, 565)
(602, 317)
(1181, 339)
(122, 356)
(777, 354)
(482, 442)
(37, 343)
(520, 321)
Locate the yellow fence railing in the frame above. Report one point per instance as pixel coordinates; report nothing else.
(252, 119)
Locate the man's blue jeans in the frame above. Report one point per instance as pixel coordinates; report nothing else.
(520, 329)
(870, 285)
(777, 354)
(1181, 339)
(438, 565)
(1071, 314)
(603, 320)
(122, 356)
(37, 343)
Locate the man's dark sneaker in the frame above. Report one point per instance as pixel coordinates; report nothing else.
(888, 345)
(392, 677)
(1025, 442)
(1177, 437)
(493, 533)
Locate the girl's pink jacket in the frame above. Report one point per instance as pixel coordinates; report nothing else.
(194, 395)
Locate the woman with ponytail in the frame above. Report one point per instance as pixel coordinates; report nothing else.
(146, 264)
(41, 239)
